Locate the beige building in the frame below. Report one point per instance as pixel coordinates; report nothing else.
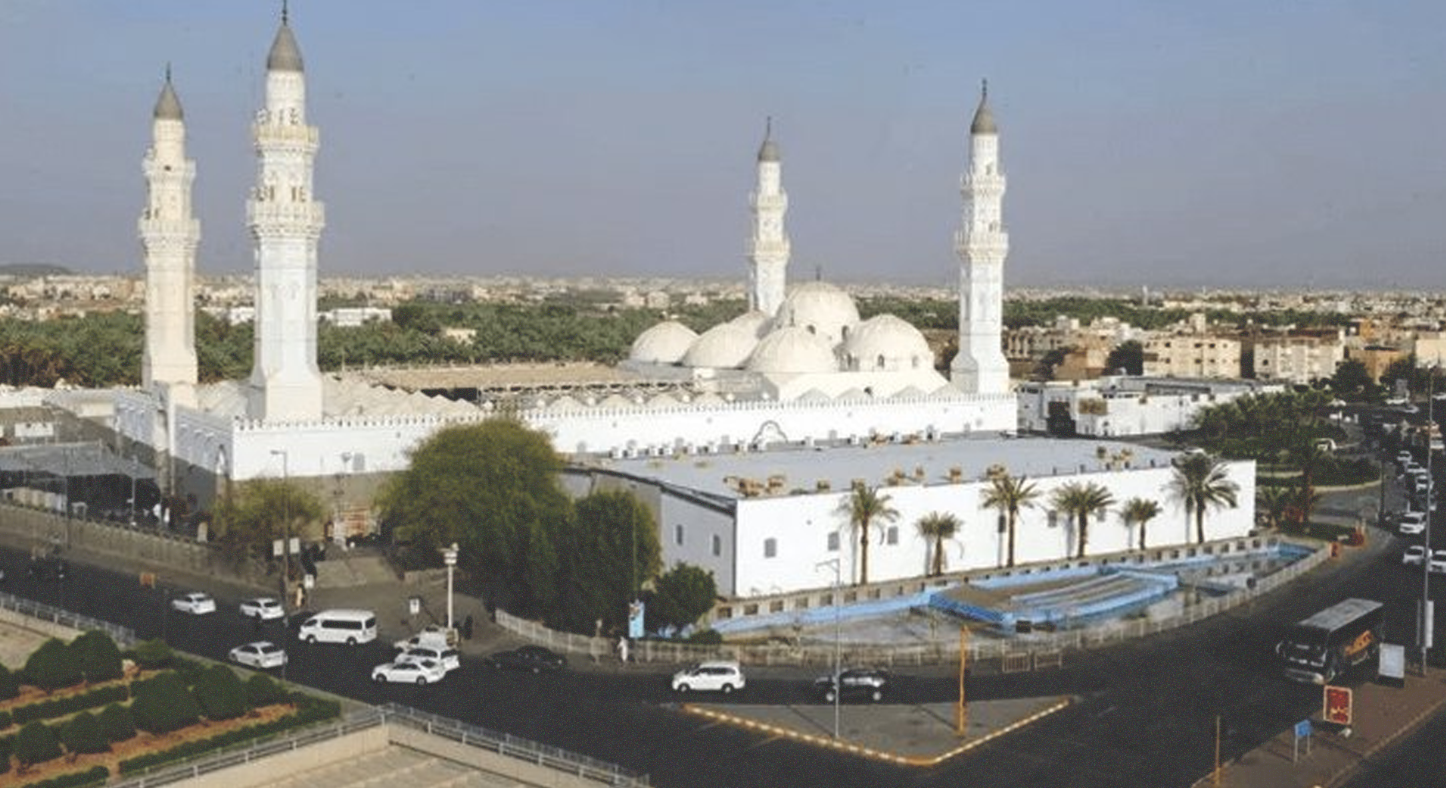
(1192, 356)
(1295, 358)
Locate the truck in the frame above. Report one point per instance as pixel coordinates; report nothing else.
(1331, 642)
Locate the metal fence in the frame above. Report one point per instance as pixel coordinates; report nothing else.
(1050, 645)
(123, 636)
(390, 714)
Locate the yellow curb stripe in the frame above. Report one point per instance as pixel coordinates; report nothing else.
(868, 752)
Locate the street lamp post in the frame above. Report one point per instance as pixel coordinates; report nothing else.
(286, 526)
(1430, 491)
(449, 556)
(837, 638)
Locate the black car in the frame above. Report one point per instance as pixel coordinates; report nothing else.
(533, 658)
(858, 684)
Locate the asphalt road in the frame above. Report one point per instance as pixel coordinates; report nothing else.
(1146, 714)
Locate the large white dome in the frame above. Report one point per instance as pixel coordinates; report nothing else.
(755, 322)
(793, 350)
(885, 342)
(724, 346)
(664, 343)
(819, 308)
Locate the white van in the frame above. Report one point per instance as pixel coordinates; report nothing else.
(339, 626)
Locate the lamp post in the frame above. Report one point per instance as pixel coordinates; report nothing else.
(837, 638)
(1430, 491)
(449, 556)
(286, 526)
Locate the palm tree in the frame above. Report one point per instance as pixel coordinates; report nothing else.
(1274, 500)
(1009, 494)
(1310, 456)
(864, 507)
(1201, 483)
(1079, 501)
(1305, 499)
(938, 526)
(1142, 511)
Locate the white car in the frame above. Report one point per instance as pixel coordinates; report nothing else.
(195, 603)
(263, 607)
(261, 654)
(446, 657)
(1438, 563)
(1414, 555)
(431, 636)
(1412, 523)
(423, 671)
(723, 676)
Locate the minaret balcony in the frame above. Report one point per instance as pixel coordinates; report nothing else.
(296, 134)
(761, 247)
(278, 214)
(177, 228)
(981, 181)
(768, 202)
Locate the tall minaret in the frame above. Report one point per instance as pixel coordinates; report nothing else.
(285, 222)
(169, 235)
(982, 245)
(768, 248)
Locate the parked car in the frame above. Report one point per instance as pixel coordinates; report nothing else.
(1414, 555)
(261, 654)
(263, 607)
(723, 676)
(533, 658)
(446, 657)
(432, 636)
(424, 671)
(1438, 562)
(857, 683)
(196, 603)
(1412, 523)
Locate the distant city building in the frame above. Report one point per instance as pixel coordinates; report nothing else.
(1294, 357)
(1192, 356)
(1120, 406)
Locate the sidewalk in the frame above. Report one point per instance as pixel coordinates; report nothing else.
(1381, 715)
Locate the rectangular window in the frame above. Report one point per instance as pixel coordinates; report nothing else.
(678, 535)
(833, 542)
(717, 545)
(770, 547)
(891, 536)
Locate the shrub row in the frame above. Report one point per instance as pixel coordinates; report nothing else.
(95, 775)
(309, 710)
(7, 745)
(92, 656)
(59, 707)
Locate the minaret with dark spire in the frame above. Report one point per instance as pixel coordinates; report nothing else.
(285, 221)
(981, 245)
(169, 237)
(768, 247)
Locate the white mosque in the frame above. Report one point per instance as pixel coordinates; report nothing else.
(798, 373)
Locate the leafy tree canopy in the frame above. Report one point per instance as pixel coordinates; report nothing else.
(680, 596)
(609, 531)
(263, 510)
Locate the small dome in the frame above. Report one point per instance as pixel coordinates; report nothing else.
(168, 107)
(284, 55)
(821, 309)
(885, 342)
(983, 118)
(792, 350)
(664, 343)
(724, 346)
(755, 323)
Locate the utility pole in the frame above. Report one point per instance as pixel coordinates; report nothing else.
(1217, 751)
(837, 638)
(1425, 622)
(285, 526)
(961, 715)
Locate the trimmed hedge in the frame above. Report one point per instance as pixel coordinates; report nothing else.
(53, 666)
(7, 745)
(9, 684)
(36, 743)
(5, 720)
(95, 775)
(100, 659)
(82, 735)
(164, 705)
(309, 710)
(152, 654)
(60, 707)
(116, 723)
(262, 690)
(220, 694)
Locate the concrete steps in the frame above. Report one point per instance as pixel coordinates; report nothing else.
(353, 570)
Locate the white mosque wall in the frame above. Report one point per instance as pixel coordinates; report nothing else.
(800, 525)
(700, 534)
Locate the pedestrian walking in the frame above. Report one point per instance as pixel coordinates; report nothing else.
(623, 649)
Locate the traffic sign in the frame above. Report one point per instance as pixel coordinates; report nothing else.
(1337, 701)
(1302, 729)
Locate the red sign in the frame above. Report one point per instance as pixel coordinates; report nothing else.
(1337, 705)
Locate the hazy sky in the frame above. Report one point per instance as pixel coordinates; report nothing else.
(1229, 143)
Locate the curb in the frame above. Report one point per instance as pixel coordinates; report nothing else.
(869, 752)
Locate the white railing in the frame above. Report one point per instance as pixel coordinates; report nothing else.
(123, 636)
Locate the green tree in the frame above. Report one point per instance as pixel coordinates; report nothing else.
(1310, 457)
(1351, 378)
(936, 528)
(220, 694)
(1200, 483)
(116, 723)
(493, 489)
(152, 654)
(9, 684)
(1129, 356)
(164, 704)
(100, 659)
(82, 734)
(1273, 501)
(680, 597)
(53, 666)
(1079, 501)
(262, 690)
(1008, 495)
(611, 550)
(865, 507)
(36, 743)
(263, 510)
(1141, 511)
